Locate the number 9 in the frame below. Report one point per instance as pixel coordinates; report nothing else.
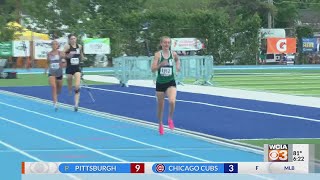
(137, 167)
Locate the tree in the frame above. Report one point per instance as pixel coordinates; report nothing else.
(7, 14)
(246, 9)
(213, 21)
(179, 5)
(247, 42)
(286, 14)
(96, 18)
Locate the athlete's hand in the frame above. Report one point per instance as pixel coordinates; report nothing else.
(71, 53)
(63, 63)
(164, 63)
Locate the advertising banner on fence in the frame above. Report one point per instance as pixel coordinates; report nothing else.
(42, 47)
(310, 44)
(272, 33)
(281, 45)
(96, 46)
(21, 48)
(5, 49)
(186, 44)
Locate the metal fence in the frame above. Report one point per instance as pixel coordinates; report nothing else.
(198, 69)
(2, 64)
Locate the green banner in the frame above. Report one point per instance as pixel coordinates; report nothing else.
(96, 46)
(5, 49)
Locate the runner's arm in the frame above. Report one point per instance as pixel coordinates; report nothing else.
(177, 60)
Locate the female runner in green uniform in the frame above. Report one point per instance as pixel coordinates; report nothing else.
(165, 84)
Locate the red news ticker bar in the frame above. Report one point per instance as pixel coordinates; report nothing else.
(22, 168)
(137, 168)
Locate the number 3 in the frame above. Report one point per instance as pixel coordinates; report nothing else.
(231, 168)
(283, 155)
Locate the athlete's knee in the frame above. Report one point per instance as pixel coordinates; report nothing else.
(69, 77)
(160, 102)
(77, 90)
(160, 99)
(172, 100)
(53, 86)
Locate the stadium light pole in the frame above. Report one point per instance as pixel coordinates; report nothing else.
(145, 29)
(269, 15)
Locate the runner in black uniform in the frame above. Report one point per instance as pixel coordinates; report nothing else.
(74, 55)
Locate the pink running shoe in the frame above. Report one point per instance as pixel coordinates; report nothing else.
(161, 130)
(170, 124)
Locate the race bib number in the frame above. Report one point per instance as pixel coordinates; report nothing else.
(166, 71)
(55, 66)
(74, 61)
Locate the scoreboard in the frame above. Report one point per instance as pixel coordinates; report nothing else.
(165, 167)
(278, 159)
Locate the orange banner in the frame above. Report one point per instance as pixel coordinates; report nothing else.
(281, 45)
